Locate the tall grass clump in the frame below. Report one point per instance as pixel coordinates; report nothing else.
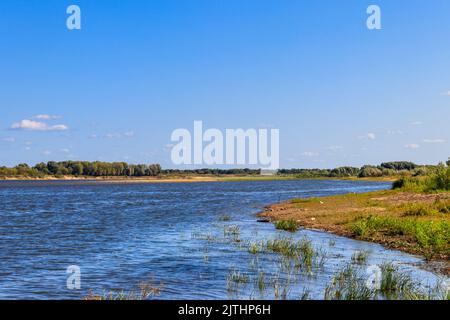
(351, 284)
(419, 209)
(396, 285)
(287, 225)
(434, 235)
(360, 257)
(301, 253)
(235, 279)
(233, 232)
(225, 218)
(439, 180)
(146, 291)
(348, 284)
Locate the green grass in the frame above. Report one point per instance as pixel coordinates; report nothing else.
(428, 234)
(286, 225)
(347, 284)
(426, 209)
(439, 180)
(301, 253)
(350, 284)
(306, 200)
(254, 248)
(146, 291)
(235, 279)
(397, 285)
(360, 257)
(261, 282)
(225, 217)
(419, 209)
(232, 232)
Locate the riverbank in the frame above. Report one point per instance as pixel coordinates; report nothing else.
(190, 178)
(412, 222)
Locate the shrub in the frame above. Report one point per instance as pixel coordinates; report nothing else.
(439, 180)
(369, 171)
(286, 225)
(419, 209)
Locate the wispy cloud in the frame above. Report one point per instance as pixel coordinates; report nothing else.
(395, 132)
(8, 139)
(434, 140)
(46, 152)
(447, 93)
(112, 135)
(412, 146)
(31, 125)
(168, 147)
(334, 148)
(46, 117)
(416, 123)
(310, 154)
(369, 136)
(128, 134)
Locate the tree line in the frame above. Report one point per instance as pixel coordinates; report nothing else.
(83, 168)
(123, 169)
(384, 169)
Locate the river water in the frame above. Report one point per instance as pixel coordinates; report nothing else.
(171, 234)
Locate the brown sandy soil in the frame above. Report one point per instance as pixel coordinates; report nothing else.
(160, 179)
(336, 214)
(186, 178)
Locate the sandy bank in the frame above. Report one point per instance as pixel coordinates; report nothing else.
(385, 217)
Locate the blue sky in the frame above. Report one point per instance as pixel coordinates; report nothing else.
(116, 89)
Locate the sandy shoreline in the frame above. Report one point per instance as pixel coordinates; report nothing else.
(186, 179)
(337, 213)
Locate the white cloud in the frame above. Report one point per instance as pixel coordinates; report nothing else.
(447, 93)
(371, 136)
(416, 123)
(168, 147)
(395, 132)
(46, 117)
(93, 136)
(412, 146)
(112, 135)
(31, 125)
(434, 140)
(9, 139)
(334, 148)
(128, 134)
(64, 150)
(310, 154)
(46, 152)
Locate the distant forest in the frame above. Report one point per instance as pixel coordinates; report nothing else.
(122, 169)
